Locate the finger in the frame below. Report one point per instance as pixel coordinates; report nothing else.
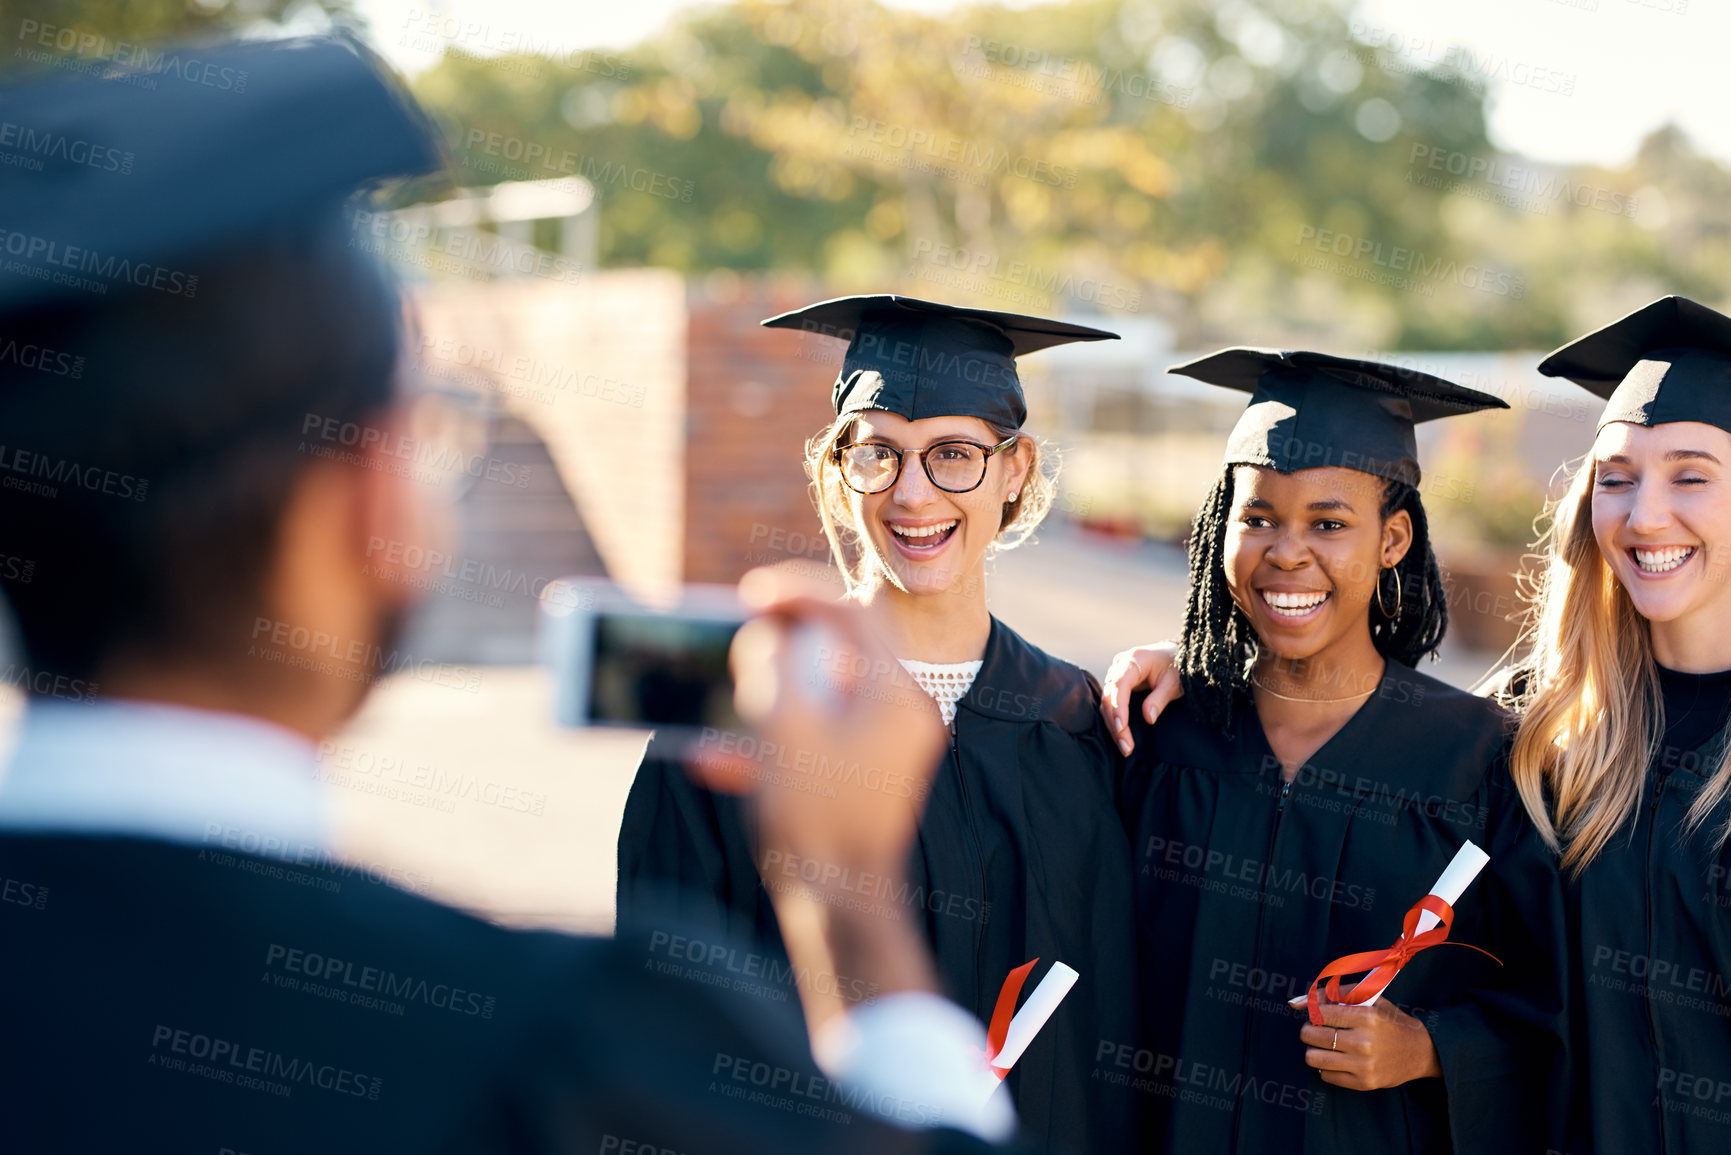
(1329, 1038)
(1121, 679)
(1346, 1079)
(1168, 689)
(1345, 1016)
(722, 773)
(1324, 1059)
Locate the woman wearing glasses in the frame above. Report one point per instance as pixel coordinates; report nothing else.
(923, 474)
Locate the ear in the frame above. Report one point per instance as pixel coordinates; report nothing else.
(1020, 460)
(402, 527)
(1397, 537)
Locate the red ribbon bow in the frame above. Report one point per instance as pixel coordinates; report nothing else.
(1383, 965)
(1003, 1013)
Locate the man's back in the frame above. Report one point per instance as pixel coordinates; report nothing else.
(200, 999)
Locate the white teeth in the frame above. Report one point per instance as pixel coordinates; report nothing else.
(1663, 560)
(922, 530)
(1293, 605)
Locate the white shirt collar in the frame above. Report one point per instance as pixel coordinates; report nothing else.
(151, 770)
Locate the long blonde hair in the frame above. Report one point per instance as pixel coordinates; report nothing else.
(1016, 524)
(1591, 716)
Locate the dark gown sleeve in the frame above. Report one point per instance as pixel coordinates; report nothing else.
(1501, 1046)
(686, 850)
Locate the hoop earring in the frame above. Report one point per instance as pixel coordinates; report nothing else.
(1397, 594)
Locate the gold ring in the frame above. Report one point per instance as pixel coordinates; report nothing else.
(1335, 1046)
(1138, 666)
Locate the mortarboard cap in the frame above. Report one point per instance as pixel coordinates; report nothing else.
(1668, 361)
(1312, 409)
(134, 176)
(921, 359)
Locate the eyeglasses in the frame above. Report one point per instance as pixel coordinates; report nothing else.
(870, 467)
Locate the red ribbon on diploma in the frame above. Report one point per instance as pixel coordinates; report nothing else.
(1003, 1013)
(1383, 965)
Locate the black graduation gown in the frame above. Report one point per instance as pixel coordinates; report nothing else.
(1651, 936)
(1245, 889)
(1019, 855)
(169, 998)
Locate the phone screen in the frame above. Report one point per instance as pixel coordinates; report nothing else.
(657, 670)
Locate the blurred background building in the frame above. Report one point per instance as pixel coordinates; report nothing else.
(1458, 191)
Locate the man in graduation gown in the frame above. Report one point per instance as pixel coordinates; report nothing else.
(1018, 856)
(187, 965)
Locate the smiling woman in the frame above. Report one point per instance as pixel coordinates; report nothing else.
(1621, 755)
(1020, 859)
(1310, 786)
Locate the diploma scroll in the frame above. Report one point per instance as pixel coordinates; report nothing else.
(1459, 875)
(1009, 1035)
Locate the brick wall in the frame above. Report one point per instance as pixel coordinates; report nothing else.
(753, 398)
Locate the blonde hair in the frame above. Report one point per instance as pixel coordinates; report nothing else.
(1591, 715)
(1017, 523)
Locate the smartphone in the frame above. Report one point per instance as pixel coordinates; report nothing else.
(619, 662)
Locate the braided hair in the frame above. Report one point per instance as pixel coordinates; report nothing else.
(1219, 645)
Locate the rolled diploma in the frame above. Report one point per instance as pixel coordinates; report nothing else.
(1028, 1021)
(1468, 861)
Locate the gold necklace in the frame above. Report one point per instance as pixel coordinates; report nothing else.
(1313, 701)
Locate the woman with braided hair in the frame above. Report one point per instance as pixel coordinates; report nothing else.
(1311, 786)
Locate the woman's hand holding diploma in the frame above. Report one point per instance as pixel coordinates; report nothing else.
(1369, 1048)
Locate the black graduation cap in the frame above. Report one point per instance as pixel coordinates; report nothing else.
(923, 359)
(132, 176)
(1668, 361)
(1312, 409)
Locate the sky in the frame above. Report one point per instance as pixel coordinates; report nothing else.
(1580, 80)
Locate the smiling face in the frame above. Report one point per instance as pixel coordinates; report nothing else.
(1662, 518)
(1303, 554)
(926, 540)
